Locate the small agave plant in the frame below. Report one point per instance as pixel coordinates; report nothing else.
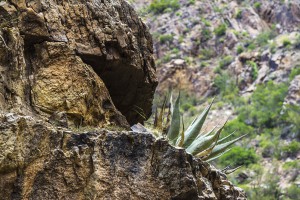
(205, 145)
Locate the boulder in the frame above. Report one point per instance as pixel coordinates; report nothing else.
(38, 161)
(90, 59)
(293, 97)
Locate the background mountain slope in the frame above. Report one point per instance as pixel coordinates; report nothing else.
(247, 53)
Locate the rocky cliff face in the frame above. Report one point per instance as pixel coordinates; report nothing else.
(68, 68)
(60, 56)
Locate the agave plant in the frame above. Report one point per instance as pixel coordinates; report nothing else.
(205, 145)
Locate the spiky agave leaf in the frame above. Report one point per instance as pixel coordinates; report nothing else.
(226, 168)
(192, 132)
(205, 152)
(180, 140)
(140, 112)
(168, 120)
(225, 138)
(205, 142)
(208, 151)
(229, 171)
(161, 115)
(199, 144)
(207, 134)
(174, 129)
(220, 148)
(155, 118)
(207, 159)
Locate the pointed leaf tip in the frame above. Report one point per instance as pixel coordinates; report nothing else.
(174, 129)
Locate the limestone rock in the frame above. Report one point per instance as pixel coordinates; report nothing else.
(38, 161)
(86, 58)
(293, 97)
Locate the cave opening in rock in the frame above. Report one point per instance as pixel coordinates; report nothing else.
(120, 79)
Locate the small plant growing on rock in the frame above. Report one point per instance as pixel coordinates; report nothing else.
(254, 69)
(224, 62)
(239, 49)
(166, 38)
(238, 14)
(205, 145)
(286, 42)
(220, 30)
(257, 5)
(297, 42)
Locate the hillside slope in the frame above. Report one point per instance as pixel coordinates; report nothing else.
(247, 54)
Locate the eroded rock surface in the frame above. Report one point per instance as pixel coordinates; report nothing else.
(293, 97)
(38, 161)
(58, 55)
(67, 69)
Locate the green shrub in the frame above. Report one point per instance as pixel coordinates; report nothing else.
(293, 117)
(251, 46)
(239, 126)
(293, 192)
(168, 10)
(166, 58)
(220, 30)
(206, 34)
(159, 6)
(178, 13)
(192, 2)
(295, 71)
(238, 156)
(286, 42)
(297, 42)
(175, 51)
(263, 38)
(205, 22)
(217, 9)
(254, 69)
(245, 34)
(218, 70)
(206, 54)
(236, 33)
(186, 106)
(166, 38)
(291, 165)
(239, 49)
(268, 147)
(291, 149)
(272, 47)
(226, 86)
(266, 104)
(257, 5)
(227, 60)
(265, 185)
(203, 64)
(238, 14)
(188, 60)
